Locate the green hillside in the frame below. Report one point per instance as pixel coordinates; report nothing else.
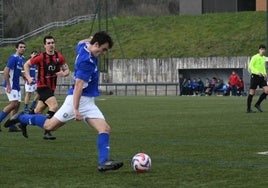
(225, 34)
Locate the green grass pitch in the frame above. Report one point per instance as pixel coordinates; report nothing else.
(193, 142)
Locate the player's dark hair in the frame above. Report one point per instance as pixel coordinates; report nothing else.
(262, 46)
(102, 37)
(34, 52)
(18, 43)
(47, 37)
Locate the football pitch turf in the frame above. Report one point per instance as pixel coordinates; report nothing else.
(193, 142)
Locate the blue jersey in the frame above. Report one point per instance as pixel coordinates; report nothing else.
(32, 71)
(86, 69)
(15, 64)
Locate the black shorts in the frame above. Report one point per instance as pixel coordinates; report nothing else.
(44, 93)
(256, 80)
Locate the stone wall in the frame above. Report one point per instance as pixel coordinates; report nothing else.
(163, 71)
(167, 70)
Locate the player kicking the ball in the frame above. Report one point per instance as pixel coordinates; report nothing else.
(79, 103)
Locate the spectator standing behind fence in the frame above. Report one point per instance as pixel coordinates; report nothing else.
(257, 68)
(12, 73)
(30, 88)
(50, 65)
(240, 87)
(233, 81)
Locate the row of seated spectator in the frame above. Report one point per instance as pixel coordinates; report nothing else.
(192, 87)
(214, 86)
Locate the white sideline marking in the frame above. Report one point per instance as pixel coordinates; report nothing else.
(263, 153)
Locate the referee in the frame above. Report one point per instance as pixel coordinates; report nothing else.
(257, 68)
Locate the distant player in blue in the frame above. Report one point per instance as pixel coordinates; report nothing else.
(79, 103)
(12, 73)
(30, 88)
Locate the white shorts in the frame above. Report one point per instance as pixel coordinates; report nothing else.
(14, 95)
(30, 88)
(87, 109)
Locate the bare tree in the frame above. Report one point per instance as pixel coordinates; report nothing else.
(23, 16)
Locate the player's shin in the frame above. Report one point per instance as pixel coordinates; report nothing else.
(103, 147)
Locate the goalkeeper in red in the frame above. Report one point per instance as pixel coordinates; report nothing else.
(258, 77)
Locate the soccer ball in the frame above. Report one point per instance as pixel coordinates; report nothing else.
(141, 162)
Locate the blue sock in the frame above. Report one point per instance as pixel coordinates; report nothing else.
(33, 104)
(3, 115)
(33, 119)
(103, 147)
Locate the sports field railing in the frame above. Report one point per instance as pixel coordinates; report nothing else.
(142, 89)
(122, 89)
(131, 89)
(117, 89)
(72, 21)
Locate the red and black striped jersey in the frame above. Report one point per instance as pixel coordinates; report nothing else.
(48, 66)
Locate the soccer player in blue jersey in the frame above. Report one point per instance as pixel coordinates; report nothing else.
(79, 103)
(30, 88)
(12, 73)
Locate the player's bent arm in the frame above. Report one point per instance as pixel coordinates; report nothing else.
(86, 40)
(6, 75)
(77, 92)
(26, 67)
(65, 71)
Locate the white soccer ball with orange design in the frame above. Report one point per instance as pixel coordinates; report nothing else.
(141, 162)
